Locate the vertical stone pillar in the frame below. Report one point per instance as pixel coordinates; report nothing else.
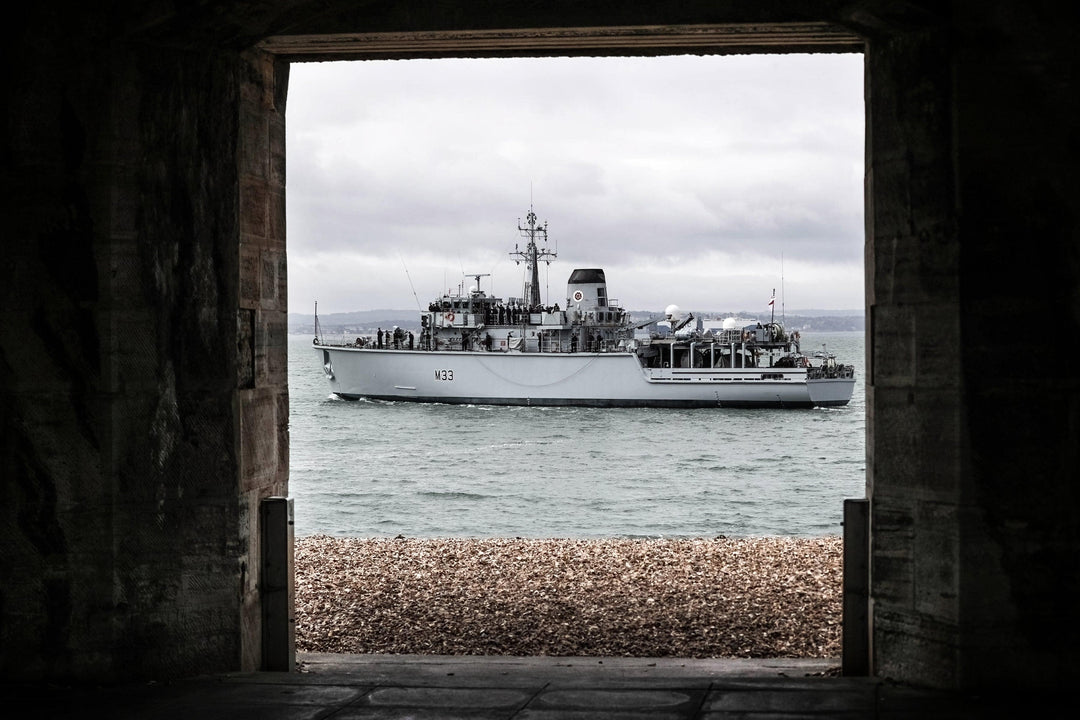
(856, 636)
(972, 252)
(134, 448)
(914, 422)
(276, 591)
(262, 322)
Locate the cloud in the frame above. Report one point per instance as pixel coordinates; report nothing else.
(699, 173)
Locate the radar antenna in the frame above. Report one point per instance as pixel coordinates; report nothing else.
(475, 291)
(477, 276)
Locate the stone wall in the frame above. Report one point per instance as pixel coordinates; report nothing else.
(143, 399)
(262, 318)
(142, 341)
(972, 260)
(913, 357)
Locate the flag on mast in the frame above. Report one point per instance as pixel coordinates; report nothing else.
(772, 300)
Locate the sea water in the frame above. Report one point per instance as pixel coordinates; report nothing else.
(383, 469)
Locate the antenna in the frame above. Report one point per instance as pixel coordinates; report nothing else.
(471, 293)
(531, 256)
(477, 276)
(410, 283)
(547, 281)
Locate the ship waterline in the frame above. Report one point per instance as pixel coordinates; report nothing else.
(584, 379)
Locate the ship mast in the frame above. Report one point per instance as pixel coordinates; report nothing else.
(532, 255)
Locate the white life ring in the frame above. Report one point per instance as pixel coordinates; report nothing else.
(449, 317)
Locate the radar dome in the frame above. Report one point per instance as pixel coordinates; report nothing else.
(729, 323)
(671, 311)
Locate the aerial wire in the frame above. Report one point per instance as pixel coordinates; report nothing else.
(783, 316)
(410, 283)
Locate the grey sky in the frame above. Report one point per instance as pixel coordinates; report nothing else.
(697, 181)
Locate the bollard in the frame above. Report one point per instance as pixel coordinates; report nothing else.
(856, 631)
(276, 593)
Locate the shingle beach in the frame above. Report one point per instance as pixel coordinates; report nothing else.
(755, 597)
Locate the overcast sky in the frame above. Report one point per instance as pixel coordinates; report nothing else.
(700, 181)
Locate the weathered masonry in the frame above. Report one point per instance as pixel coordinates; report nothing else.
(143, 398)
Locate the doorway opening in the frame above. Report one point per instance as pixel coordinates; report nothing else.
(694, 203)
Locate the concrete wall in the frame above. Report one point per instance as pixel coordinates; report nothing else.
(142, 346)
(974, 317)
(143, 402)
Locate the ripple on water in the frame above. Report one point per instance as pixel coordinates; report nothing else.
(378, 468)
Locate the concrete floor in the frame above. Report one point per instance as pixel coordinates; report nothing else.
(384, 687)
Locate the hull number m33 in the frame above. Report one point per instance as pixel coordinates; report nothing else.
(444, 374)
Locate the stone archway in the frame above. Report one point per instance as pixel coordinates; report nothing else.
(142, 391)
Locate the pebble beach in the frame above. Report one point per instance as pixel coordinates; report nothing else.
(693, 598)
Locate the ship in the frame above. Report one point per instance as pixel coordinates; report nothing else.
(475, 348)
